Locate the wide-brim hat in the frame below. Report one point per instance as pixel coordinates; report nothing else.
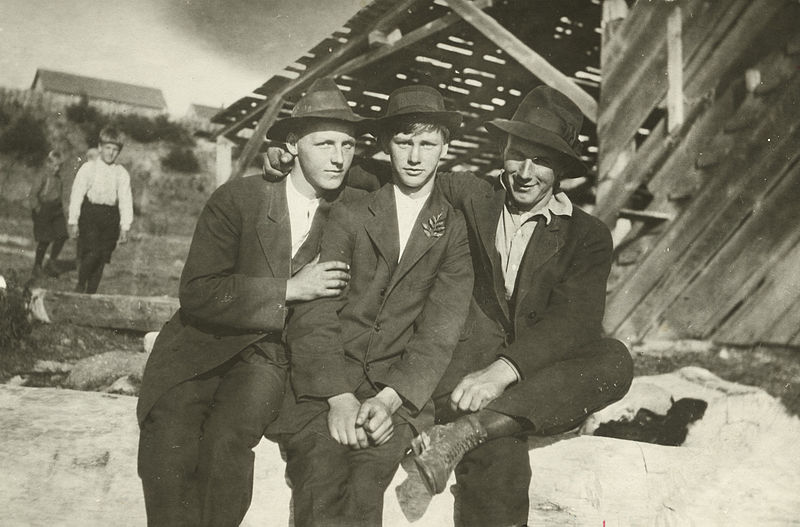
(417, 102)
(549, 118)
(323, 101)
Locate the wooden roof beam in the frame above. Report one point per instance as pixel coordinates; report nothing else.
(528, 58)
(419, 34)
(322, 67)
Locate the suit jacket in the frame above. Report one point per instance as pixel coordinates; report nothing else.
(559, 297)
(397, 322)
(233, 286)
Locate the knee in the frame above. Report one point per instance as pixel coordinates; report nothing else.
(230, 435)
(620, 364)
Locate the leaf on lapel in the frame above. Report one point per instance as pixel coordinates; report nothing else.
(434, 227)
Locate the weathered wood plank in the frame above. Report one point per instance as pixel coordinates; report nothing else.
(759, 320)
(659, 269)
(525, 56)
(749, 255)
(674, 70)
(253, 144)
(108, 311)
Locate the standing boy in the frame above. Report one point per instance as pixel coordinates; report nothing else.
(364, 365)
(215, 378)
(100, 210)
(49, 224)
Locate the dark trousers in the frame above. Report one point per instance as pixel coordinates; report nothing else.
(333, 485)
(98, 231)
(493, 479)
(195, 446)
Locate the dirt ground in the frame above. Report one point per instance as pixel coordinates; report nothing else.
(151, 265)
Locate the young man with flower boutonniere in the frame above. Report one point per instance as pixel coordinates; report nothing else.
(364, 364)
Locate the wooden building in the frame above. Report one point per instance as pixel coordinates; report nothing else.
(692, 111)
(109, 96)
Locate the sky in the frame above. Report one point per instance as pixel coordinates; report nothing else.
(209, 52)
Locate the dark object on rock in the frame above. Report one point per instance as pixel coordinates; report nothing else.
(650, 427)
(14, 323)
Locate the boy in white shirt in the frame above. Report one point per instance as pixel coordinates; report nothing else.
(100, 210)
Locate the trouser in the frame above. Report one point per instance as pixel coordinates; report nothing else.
(98, 230)
(195, 446)
(334, 485)
(493, 479)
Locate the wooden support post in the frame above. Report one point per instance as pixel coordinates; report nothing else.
(527, 58)
(223, 159)
(674, 70)
(254, 143)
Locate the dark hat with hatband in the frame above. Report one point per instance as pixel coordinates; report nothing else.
(323, 101)
(549, 118)
(414, 102)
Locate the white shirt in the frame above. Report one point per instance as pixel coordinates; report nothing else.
(102, 184)
(407, 212)
(301, 214)
(514, 232)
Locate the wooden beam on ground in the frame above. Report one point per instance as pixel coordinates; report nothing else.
(674, 70)
(419, 34)
(140, 313)
(253, 144)
(648, 216)
(528, 58)
(323, 67)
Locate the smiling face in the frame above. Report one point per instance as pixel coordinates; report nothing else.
(415, 155)
(109, 152)
(529, 172)
(324, 152)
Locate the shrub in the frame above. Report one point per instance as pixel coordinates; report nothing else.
(90, 119)
(14, 323)
(26, 139)
(147, 130)
(181, 160)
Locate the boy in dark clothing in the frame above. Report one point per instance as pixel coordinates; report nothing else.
(49, 224)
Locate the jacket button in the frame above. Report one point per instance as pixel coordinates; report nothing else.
(383, 292)
(366, 367)
(377, 327)
(532, 315)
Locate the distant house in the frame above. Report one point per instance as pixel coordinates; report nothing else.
(108, 96)
(202, 112)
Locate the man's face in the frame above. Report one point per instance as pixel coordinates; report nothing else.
(528, 172)
(109, 152)
(415, 157)
(324, 152)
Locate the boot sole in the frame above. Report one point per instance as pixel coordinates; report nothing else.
(427, 477)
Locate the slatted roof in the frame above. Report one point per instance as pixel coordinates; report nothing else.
(476, 77)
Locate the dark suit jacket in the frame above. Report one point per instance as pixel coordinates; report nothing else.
(397, 323)
(559, 298)
(233, 286)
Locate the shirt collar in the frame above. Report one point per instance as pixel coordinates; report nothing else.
(295, 196)
(559, 204)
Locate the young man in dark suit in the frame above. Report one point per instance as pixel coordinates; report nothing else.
(364, 365)
(535, 362)
(216, 375)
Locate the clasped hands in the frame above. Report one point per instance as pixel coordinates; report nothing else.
(363, 424)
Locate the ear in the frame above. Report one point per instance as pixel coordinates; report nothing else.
(444, 150)
(291, 143)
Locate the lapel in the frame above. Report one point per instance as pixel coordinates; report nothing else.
(419, 242)
(486, 210)
(273, 229)
(383, 229)
(547, 240)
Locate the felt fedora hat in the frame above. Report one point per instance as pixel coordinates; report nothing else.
(418, 101)
(549, 118)
(323, 101)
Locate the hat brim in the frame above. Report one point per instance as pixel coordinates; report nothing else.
(500, 129)
(451, 120)
(282, 128)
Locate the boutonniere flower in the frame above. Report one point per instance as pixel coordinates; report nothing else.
(434, 227)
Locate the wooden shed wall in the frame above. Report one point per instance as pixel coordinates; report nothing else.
(727, 266)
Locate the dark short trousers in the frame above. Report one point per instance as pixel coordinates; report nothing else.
(98, 229)
(49, 224)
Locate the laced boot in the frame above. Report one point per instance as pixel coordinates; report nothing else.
(438, 450)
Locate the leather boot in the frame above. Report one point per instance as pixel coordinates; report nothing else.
(438, 450)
